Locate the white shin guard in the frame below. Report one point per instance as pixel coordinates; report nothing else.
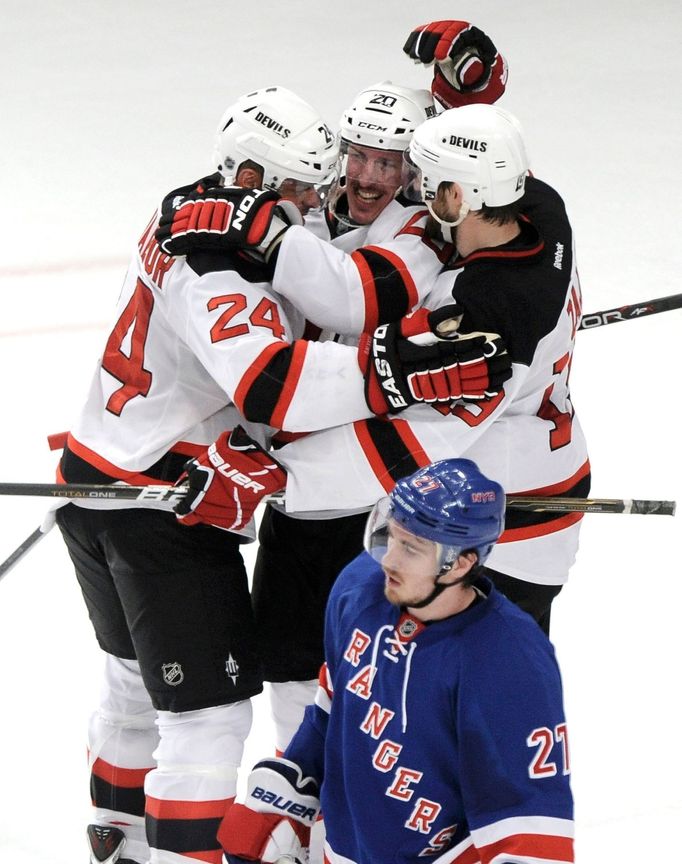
(199, 753)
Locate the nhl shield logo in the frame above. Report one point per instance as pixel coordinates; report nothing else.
(173, 674)
(407, 628)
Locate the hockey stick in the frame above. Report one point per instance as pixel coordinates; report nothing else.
(21, 550)
(146, 495)
(166, 496)
(639, 506)
(627, 313)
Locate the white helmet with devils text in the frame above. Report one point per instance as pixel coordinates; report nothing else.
(283, 134)
(385, 115)
(480, 147)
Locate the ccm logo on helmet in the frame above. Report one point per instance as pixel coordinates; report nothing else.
(364, 125)
(269, 123)
(286, 805)
(468, 143)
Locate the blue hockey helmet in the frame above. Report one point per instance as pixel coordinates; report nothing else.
(449, 502)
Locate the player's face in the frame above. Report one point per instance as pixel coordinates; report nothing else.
(303, 195)
(372, 178)
(410, 566)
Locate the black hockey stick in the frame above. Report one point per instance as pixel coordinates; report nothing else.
(169, 495)
(151, 495)
(627, 313)
(639, 506)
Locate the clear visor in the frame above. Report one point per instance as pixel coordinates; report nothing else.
(312, 196)
(411, 179)
(377, 537)
(376, 530)
(371, 164)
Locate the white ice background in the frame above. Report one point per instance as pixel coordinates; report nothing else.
(105, 106)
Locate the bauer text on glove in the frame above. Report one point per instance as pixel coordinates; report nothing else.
(280, 808)
(227, 482)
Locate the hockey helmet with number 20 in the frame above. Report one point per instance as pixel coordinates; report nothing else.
(283, 134)
(385, 115)
(450, 503)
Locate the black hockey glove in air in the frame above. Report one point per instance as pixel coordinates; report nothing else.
(222, 219)
(468, 67)
(424, 358)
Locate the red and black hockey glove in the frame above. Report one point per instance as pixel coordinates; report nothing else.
(424, 358)
(262, 828)
(228, 482)
(223, 219)
(468, 67)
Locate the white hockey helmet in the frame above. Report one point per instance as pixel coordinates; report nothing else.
(480, 147)
(280, 132)
(385, 115)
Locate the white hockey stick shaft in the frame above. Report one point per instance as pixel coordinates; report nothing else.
(29, 543)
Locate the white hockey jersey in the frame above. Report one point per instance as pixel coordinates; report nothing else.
(368, 276)
(199, 345)
(528, 437)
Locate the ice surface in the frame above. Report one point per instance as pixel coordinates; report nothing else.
(108, 105)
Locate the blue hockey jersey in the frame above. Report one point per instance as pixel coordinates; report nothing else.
(444, 740)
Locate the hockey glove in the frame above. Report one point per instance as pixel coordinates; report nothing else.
(424, 358)
(265, 828)
(227, 483)
(223, 219)
(468, 68)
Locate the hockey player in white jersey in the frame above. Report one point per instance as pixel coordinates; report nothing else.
(299, 558)
(514, 273)
(199, 345)
(438, 730)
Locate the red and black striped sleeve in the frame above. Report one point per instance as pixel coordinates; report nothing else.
(388, 286)
(269, 385)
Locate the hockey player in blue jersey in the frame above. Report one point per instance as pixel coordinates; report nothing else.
(438, 729)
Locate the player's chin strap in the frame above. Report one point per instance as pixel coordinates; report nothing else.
(446, 226)
(342, 216)
(438, 587)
